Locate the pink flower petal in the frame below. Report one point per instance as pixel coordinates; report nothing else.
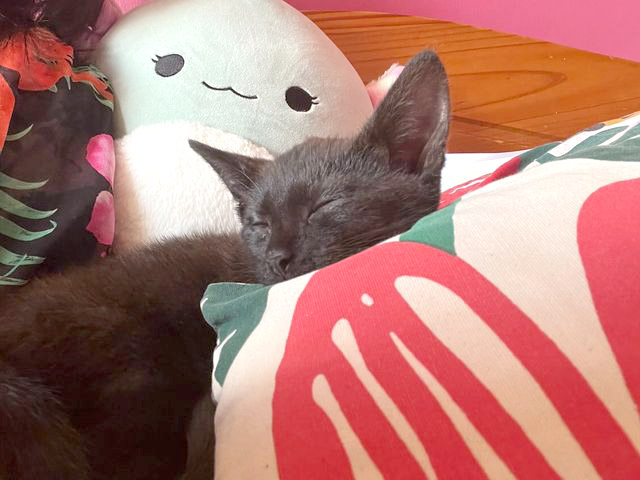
(103, 220)
(101, 156)
(377, 89)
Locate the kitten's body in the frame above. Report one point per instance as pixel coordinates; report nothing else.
(100, 368)
(128, 364)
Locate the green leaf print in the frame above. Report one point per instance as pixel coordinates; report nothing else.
(9, 258)
(12, 230)
(8, 182)
(629, 134)
(436, 229)
(103, 101)
(13, 206)
(595, 140)
(91, 69)
(19, 135)
(11, 282)
(5, 279)
(222, 306)
(530, 156)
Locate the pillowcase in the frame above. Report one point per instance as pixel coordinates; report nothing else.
(56, 159)
(497, 338)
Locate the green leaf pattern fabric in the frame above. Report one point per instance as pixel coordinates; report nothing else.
(55, 173)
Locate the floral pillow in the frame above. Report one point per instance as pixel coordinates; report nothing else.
(56, 159)
(498, 338)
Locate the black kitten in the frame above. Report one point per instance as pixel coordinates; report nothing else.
(327, 199)
(101, 367)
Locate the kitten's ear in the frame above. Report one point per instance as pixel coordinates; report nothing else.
(412, 121)
(238, 172)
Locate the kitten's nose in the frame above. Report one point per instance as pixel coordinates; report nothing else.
(279, 258)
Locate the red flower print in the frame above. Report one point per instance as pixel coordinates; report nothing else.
(101, 156)
(103, 221)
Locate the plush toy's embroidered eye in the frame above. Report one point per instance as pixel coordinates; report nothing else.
(299, 99)
(168, 65)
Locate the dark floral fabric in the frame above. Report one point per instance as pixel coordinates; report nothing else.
(56, 159)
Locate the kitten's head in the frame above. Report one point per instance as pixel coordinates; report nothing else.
(326, 199)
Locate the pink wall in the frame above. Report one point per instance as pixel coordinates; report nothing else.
(610, 27)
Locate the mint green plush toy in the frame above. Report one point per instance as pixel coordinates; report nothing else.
(256, 68)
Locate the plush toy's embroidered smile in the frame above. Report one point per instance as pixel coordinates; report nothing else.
(230, 89)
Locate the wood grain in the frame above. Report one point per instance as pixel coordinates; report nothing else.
(508, 92)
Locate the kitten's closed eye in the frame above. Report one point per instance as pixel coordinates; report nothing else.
(319, 208)
(261, 227)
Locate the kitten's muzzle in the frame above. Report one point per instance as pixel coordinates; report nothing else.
(279, 260)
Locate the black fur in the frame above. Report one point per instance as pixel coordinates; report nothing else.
(101, 367)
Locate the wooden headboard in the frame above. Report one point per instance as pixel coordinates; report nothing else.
(508, 92)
